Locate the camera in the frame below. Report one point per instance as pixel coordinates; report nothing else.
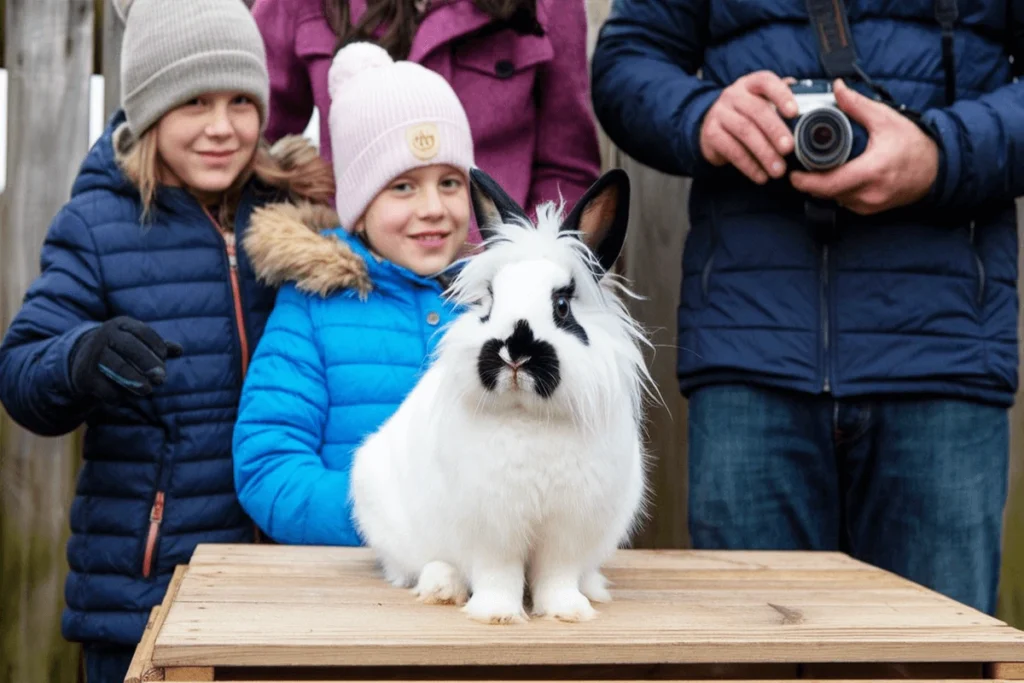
(822, 134)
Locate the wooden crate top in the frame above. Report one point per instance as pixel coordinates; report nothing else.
(271, 605)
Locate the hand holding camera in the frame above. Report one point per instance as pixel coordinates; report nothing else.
(898, 166)
(743, 126)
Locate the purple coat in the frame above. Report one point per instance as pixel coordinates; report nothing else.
(527, 97)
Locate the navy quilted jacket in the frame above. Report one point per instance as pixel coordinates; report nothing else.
(921, 299)
(157, 473)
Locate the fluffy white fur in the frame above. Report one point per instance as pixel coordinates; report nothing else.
(467, 492)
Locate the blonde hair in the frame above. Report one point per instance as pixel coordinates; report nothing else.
(292, 164)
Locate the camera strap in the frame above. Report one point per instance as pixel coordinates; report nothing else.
(838, 54)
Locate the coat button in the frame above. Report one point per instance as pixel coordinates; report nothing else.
(504, 68)
(433, 318)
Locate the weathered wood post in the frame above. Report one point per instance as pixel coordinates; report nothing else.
(658, 225)
(112, 35)
(49, 59)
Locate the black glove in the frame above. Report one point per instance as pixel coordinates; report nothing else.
(121, 355)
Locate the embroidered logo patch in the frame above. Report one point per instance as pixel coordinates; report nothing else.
(423, 140)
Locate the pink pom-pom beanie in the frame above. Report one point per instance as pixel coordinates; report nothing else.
(387, 118)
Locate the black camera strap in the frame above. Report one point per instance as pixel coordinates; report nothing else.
(838, 53)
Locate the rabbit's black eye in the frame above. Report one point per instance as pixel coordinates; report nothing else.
(562, 307)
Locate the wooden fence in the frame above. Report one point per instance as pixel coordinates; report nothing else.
(50, 48)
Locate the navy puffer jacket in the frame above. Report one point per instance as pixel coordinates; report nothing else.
(918, 300)
(156, 478)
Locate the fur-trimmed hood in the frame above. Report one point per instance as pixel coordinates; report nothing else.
(286, 243)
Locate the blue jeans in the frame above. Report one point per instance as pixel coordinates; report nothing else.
(913, 486)
(106, 664)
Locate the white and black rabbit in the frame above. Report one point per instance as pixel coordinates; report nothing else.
(518, 458)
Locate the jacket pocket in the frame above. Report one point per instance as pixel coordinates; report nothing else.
(156, 518)
(979, 267)
(709, 263)
(503, 55)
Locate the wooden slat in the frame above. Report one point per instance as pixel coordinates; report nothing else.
(141, 668)
(329, 607)
(189, 673)
(1007, 670)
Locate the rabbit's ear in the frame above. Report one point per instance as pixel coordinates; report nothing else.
(492, 205)
(601, 215)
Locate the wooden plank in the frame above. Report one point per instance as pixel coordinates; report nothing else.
(113, 33)
(189, 673)
(1007, 670)
(141, 668)
(48, 53)
(360, 560)
(328, 607)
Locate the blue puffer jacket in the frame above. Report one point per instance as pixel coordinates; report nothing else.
(330, 369)
(921, 299)
(172, 448)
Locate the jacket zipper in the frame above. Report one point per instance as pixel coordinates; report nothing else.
(826, 383)
(156, 516)
(236, 294)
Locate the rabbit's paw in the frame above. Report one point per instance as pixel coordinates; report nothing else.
(564, 605)
(495, 608)
(440, 584)
(595, 587)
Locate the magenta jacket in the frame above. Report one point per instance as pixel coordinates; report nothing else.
(527, 97)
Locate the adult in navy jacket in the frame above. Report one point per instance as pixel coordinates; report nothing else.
(847, 390)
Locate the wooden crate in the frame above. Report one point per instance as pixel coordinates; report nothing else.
(276, 613)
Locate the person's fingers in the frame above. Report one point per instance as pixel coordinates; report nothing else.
(735, 153)
(174, 349)
(122, 373)
(767, 119)
(844, 180)
(863, 110)
(145, 334)
(140, 356)
(770, 86)
(750, 135)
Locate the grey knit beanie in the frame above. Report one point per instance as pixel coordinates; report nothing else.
(175, 50)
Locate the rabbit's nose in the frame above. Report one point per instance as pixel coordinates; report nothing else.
(513, 363)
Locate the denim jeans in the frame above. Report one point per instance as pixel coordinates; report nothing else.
(914, 486)
(106, 664)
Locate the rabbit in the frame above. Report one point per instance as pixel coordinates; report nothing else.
(517, 461)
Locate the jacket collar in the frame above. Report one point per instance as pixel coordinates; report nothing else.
(446, 20)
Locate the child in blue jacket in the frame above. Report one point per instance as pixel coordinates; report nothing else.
(350, 335)
(141, 321)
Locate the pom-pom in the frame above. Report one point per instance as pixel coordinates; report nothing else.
(353, 59)
(122, 7)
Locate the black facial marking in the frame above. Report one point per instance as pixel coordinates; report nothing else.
(489, 364)
(541, 364)
(561, 309)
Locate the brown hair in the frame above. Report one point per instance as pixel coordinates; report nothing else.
(401, 19)
(292, 165)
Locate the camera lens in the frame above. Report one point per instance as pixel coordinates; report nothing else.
(824, 139)
(822, 136)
